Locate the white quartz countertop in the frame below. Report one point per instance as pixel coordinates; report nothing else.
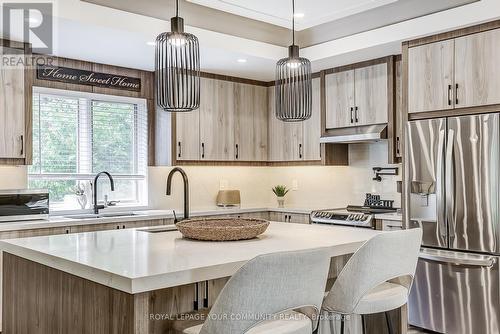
(135, 261)
(61, 221)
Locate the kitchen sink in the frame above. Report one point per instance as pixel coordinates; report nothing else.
(102, 215)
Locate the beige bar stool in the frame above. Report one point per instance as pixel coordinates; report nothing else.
(376, 279)
(261, 296)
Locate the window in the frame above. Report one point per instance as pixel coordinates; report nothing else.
(76, 135)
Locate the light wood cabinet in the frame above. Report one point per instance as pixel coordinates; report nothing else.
(339, 99)
(289, 217)
(285, 138)
(250, 112)
(430, 77)
(312, 126)
(217, 120)
(12, 103)
(188, 135)
(461, 72)
(477, 69)
(371, 94)
(357, 96)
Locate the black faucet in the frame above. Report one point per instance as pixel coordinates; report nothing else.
(97, 207)
(186, 189)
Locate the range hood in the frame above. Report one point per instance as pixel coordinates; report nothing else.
(357, 134)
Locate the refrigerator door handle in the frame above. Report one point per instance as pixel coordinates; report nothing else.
(440, 193)
(450, 189)
(486, 262)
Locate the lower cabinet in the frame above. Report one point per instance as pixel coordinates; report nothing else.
(287, 217)
(389, 225)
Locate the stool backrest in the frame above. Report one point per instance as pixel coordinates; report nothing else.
(389, 256)
(267, 285)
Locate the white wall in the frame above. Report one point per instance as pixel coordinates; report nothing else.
(318, 186)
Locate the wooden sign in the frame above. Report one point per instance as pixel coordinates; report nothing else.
(90, 78)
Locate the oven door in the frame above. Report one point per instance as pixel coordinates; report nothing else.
(456, 292)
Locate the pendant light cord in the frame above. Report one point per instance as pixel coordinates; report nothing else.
(293, 22)
(177, 8)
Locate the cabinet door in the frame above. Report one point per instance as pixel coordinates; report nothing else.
(12, 107)
(217, 120)
(430, 77)
(339, 99)
(188, 135)
(312, 127)
(371, 95)
(250, 112)
(477, 71)
(398, 109)
(285, 138)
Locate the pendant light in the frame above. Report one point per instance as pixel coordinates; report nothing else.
(177, 68)
(293, 84)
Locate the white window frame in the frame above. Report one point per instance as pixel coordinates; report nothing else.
(86, 140)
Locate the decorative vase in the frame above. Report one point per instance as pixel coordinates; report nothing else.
(281, 202)
(82, 200)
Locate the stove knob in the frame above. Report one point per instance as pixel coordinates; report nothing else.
(357, 217)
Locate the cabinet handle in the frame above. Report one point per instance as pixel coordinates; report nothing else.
(352, 118)
(180, 150)
(356, 114)
(449, 95)
(398, 146)
(300, 151)
(237, 152)
(456, 94)
(22, 145)
(203, 150)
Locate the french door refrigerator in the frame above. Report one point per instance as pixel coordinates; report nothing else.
(452, 193)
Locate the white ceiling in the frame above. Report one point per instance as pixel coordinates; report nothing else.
(278, 12)
(106, 35)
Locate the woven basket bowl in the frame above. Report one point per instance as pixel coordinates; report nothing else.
(222, 229)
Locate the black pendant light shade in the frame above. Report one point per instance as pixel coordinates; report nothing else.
(293, 85)
(177, 67)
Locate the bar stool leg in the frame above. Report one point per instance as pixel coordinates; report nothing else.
(342, 324)
(363, 327)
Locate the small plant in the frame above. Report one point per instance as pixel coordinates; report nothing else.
(280, 190)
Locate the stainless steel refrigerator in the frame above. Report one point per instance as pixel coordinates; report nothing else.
(452, 192)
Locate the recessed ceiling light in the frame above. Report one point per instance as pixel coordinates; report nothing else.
(242, 60)
(298, 15)
(151, 43)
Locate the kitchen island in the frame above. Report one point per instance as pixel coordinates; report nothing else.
(131, 281)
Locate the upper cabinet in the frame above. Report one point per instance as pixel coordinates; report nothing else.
(12, 106)
(461, 72)
(371, 94)
(217, 120)
(285, 138)
(230, 125)
(340, 99)
(250, 122)
(295, 141)
(312, 127)
(187, 135)
(430, 77)
(477, 70)
(356, 97)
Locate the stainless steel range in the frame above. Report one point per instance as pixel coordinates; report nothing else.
(357, 216)
(342, 217)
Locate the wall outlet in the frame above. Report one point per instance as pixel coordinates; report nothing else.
(223, 184)
(295, 185)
